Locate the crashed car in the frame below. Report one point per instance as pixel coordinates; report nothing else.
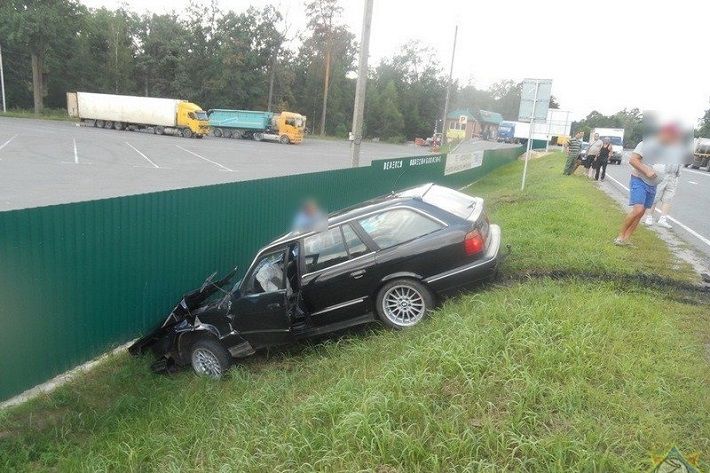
(388, 259)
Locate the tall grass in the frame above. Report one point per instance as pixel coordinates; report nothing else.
(553, 376)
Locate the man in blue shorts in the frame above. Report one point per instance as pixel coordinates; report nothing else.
(648, 164)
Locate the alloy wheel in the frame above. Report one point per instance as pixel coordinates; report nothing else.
(205, 363)
(403, 305)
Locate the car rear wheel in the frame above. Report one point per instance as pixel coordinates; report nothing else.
(209, 358)
(403, 303)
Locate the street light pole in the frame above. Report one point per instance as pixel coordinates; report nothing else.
(448, 89)
(361, 86)
(2, 83)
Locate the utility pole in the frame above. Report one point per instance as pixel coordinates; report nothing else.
(448, 89)
(2, 83)
(361, 86)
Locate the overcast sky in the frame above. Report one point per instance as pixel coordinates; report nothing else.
(603, 55)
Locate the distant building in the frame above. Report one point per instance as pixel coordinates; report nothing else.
(463, 124)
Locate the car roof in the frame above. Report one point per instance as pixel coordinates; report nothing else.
(359, 210)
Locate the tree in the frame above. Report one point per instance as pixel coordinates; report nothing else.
(42, 26)
(703, 130)
(322, 18)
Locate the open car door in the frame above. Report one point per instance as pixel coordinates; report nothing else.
(261, 307)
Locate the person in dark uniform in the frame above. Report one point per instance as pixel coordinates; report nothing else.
(602, 159)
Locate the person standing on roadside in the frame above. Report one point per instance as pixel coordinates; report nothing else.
(603, 159)
(595, 145)
(648, 161)
(665, 191)
(573, 147)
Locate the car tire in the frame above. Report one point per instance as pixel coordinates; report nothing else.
(403, 303)
(209, 358)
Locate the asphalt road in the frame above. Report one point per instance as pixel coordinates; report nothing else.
(690, 207)
(45, 162)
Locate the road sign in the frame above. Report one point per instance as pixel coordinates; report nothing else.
(535, 100)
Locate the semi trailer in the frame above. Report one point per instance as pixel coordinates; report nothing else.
(285, 127)
(701, 153)
(127, 112)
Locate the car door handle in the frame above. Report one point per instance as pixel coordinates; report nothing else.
(274, 305)
(358, 274)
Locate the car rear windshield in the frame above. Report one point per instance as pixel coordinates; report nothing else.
(447, 199)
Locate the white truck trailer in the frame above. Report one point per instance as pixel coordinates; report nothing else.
(127, 112)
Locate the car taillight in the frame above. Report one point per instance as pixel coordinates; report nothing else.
(473, 243)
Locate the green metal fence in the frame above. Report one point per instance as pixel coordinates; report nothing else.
(76, 279)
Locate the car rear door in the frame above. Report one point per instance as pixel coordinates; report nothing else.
(338, 275)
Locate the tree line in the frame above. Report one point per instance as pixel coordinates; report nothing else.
(254, 60)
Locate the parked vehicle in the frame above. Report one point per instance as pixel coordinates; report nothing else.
(285, 127)
(127, 112)
(390, 259)
(583, 150)
(506, 132)
(701, 153)
(616, 137)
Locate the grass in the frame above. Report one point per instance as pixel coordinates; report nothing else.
(544, 375)
(47, 114)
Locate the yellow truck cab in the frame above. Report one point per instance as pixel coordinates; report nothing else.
(193, 118)
(291, 125)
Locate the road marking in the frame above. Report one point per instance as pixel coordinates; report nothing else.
(8, 142)
(680, 224)
(700, 173)
(692, 182)
(205, 159)
(144, 156)
(76, 155)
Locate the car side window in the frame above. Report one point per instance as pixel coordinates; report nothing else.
(396, 226)
(267, 275)
(324, 249)
(355, 245)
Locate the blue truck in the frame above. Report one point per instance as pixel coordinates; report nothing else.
(285, 127)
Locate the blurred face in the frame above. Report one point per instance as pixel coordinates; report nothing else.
(607, 141)
(596, 136)
(579, 135)
(669, 135)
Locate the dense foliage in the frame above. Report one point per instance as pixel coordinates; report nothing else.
(630, 120)
(225, 59)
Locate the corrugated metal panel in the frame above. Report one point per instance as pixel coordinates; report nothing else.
(76, 279)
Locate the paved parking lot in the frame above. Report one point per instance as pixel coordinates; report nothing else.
(44, 162)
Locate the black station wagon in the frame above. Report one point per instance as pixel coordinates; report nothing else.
(389, 258)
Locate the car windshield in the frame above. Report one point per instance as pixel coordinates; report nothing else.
(615, 140)
(447, 199)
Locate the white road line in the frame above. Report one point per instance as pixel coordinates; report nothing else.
(8, 141)
(700, 173)
(144, 156)
(76, 155)
(680, 224)
(692, 182)
(205, 159)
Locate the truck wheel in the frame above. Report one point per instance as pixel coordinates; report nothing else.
(237, 134)
(119, 126)
(209, 358)
(284, 140)
(186, 133)
(99, 123)
(159, 130)
(226, 133)
(108, 124)
(258, 136)
(217, 132)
